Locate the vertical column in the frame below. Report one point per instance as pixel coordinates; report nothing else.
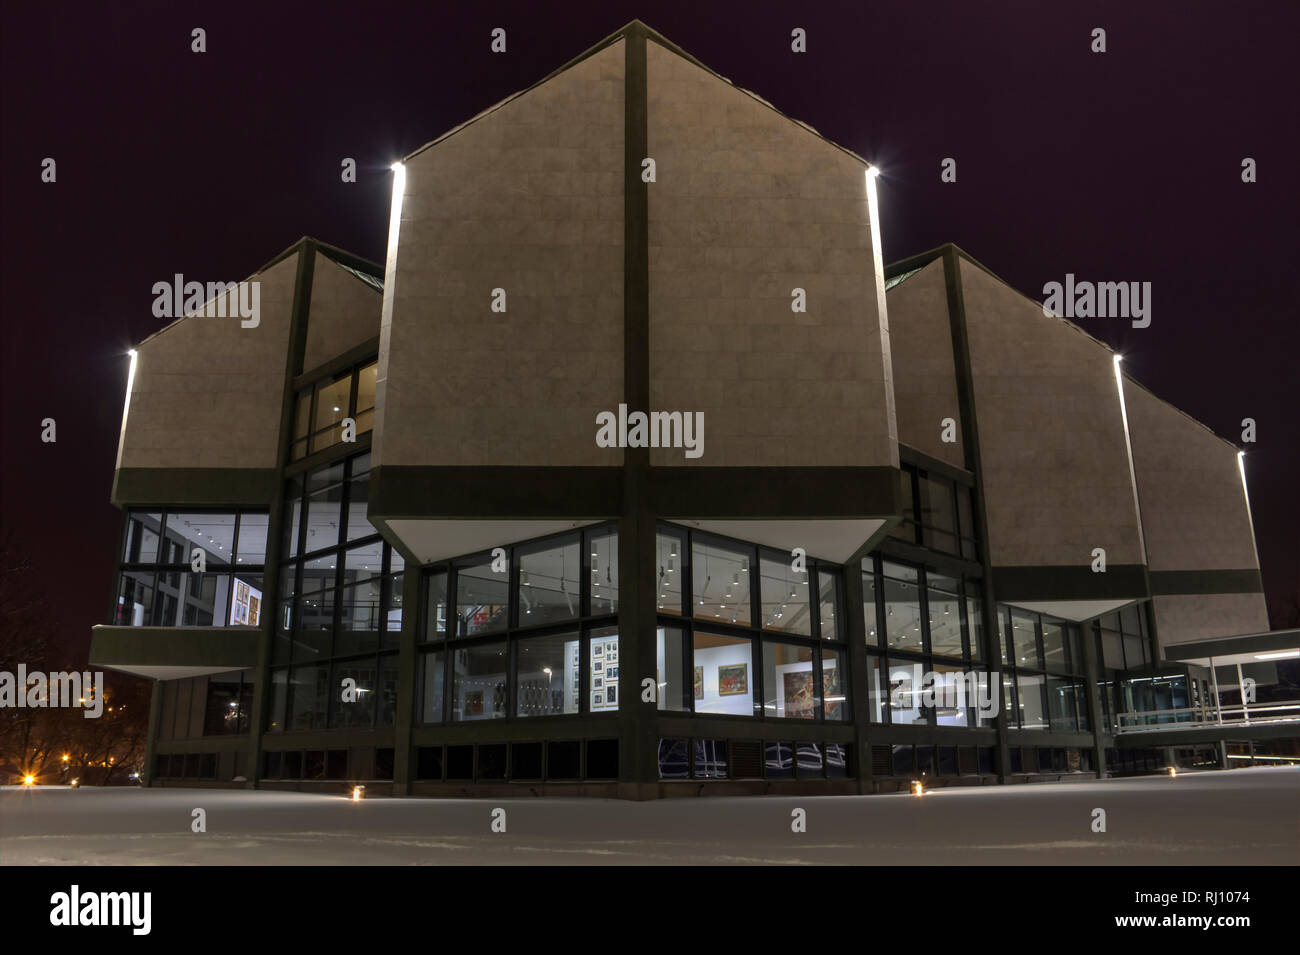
(151, 739)
(636, 538)
(856, 635)
(1092, 673)
(275, 533)
(407, 684)
(970, 444)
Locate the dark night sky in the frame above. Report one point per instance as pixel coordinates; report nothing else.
(1122, 166)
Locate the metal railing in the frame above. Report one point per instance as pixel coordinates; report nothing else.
(1196, 717)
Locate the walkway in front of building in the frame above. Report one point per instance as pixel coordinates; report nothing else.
(1241, 817)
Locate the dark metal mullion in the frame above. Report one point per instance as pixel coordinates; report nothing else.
(756, 635)
(687, 560)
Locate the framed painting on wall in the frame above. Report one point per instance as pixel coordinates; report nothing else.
(699, 683)
(798, 694)
(733, 679)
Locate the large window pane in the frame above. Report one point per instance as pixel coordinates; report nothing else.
(359, 615)
(358, 711)
(877, 687)
(1029, 688)
(549, 588)
(324, 515)
(785, 596)
(905, 682)
(135, 592)
(367, 379)
(307, 697)
(975, 621)
(1060, 702)
(945, 615)
(829, 599)
(431, 687)
(279, 698)
(214, 534)
(358, 497)
(723, 668)
(332, 399)
(546, 675)
(1054, 645)
(902, 608)
(604, 669)
(602, 546)
(1112, 650)
(386, 704)
(252, 539)
(789, 683)
(835, 685)
(481, 599)
(669, 549)
(938, 514)
(142, 536)
(363, 562)
(906, 530)
(1024, 639)
(435, 606)
(869, 602)
(479, 682)
(952, 698)
(393, 612)
(672, 679)
(721, 582)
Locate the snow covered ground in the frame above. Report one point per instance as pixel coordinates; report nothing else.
(1243, 817)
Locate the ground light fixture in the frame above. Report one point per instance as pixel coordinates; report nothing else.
(357, 793)
(29, 780)
(918, 788)
(1172, 772)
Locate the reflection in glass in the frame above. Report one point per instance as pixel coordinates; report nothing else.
(721, 581)
(669, 552)
(479, 682)
(785, 597)
(481, 596)
(945, 615)
(549, 584)
(546, 675)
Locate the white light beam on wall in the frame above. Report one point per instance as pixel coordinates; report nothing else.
(386, 308)
(878, 269)
(1128, 447)
(1241, 466)
(126, 405)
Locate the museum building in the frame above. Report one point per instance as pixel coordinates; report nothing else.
(421, 572)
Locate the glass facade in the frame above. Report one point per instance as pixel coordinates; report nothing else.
(924, 649)
(191, 569)
(321, 411)
(339, 618)
(534, 632)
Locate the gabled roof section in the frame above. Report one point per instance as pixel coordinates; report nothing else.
(635, 27)
(900, 271)
(363, 269)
